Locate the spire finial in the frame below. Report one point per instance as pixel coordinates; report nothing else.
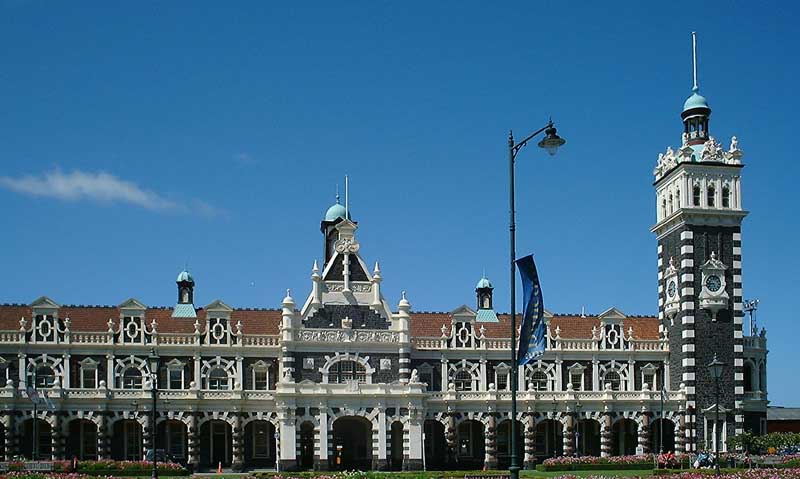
(337, 193)
(347, 197)
(695, 87)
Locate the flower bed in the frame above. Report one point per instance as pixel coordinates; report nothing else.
(102, 468)
(593, 463)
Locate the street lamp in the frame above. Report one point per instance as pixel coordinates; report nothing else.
(153, 361)
(578, 407)
(551, 142)
(553, 423)
(715, 368)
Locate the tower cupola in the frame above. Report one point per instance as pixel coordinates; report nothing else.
(696, 112)
(185, 284)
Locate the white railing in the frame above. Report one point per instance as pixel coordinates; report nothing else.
(91, 338)
(547, 397)
(176, 339)
(557, 344)
(259, 340)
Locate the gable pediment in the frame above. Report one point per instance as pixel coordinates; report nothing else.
(218, 305)
(612, 313)
(132, 303)
(43, 302)
(463, 313)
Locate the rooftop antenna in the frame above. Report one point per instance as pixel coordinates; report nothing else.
(346, 197)
(694, 61)
(337, 193)
(751, 305)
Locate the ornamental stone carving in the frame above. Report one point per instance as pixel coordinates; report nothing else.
(346, 246)
(348, 336)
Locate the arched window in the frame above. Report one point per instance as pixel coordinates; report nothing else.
(696, 196)
(44, 377)
(132, 378)
(726, 197)
(218, 379)
(539, 380)
(344, 371)
(710, 195)
(612, 379)
(463, 380)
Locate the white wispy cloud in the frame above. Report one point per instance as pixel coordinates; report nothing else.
(98, 186)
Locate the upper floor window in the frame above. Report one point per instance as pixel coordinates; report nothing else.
(539, 380)
(711, 194)
(88, 373)
(260, 376)
(132, 378)
(463, 380)
(671, 207)
(612, 381)
(576, 379)
(344, 371)
(425, 371)
(218, 380)
(726, 197)
(678, 198)
(44, 377)
(696, 196)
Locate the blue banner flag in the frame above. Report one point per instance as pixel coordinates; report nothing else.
(533, 332)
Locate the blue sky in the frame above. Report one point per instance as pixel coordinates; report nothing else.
(168, 133)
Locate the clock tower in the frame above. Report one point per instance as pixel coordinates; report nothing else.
(698, 226)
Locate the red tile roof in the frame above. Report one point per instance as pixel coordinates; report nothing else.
(95, 319)
(572, 326)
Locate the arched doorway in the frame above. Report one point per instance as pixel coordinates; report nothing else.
(126, 442)
(215, 444)
(549, 440)
(352, 444)
(504, 444)
(748, 377)
(588, 438)
(624, 437)
(470, 444)
(435, 446)
(396, 441)
(306, 458)
(173, 439)
(668, 428)
(37, 440)
(259, 444)
(82, 440)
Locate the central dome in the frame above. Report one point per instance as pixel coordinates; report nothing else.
(695, 101)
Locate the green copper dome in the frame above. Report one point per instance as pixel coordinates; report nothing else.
(184, 276)
(484, 283)
(335, 212)
(695, 101)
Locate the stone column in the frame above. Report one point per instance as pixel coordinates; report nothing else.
(412, 442)
(102, 437)
(144, 421)
(490, 443)
(450, 439)
(379, 462)
(644, 433)
(321, 454)
(605, 435)
(57, 438)
(237, 448)
(569, 435)
(288, 433)
(680, 435)
(192, 439)
(8, 426)
(530, 442)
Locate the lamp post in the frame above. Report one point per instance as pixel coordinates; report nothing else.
(715, 368)
(153, 361)
(550, 142)
(578, 407)
(553, 423)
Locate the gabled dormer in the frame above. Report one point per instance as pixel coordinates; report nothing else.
(46, 327)
(612, 330)
(218, 323)
(132, 325)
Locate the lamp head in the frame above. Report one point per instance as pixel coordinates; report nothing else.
(152, 360)
(551, 141)
(715, 367)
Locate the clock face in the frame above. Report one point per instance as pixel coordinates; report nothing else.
(671, 289)
(713, 283)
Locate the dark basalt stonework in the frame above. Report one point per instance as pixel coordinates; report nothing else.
(330, 316)
(336, 273)
(379, 376)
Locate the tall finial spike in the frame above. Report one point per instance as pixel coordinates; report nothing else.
(347, 197)
(695, 87)
(337, 193)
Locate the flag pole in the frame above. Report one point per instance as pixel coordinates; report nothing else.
(514, 467)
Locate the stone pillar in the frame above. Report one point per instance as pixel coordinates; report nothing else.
(288, 434)
(57, 438)
(321, 454)
(569, 435)
(237, 448)
(413, 443)
(144, 422)
(192, 439)
(490, 443)
(644, 432)
(8, 427)
(102, 437)
(379, 462)
(530, 442)
(680, 435)
(605, 435)
(450, 439)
